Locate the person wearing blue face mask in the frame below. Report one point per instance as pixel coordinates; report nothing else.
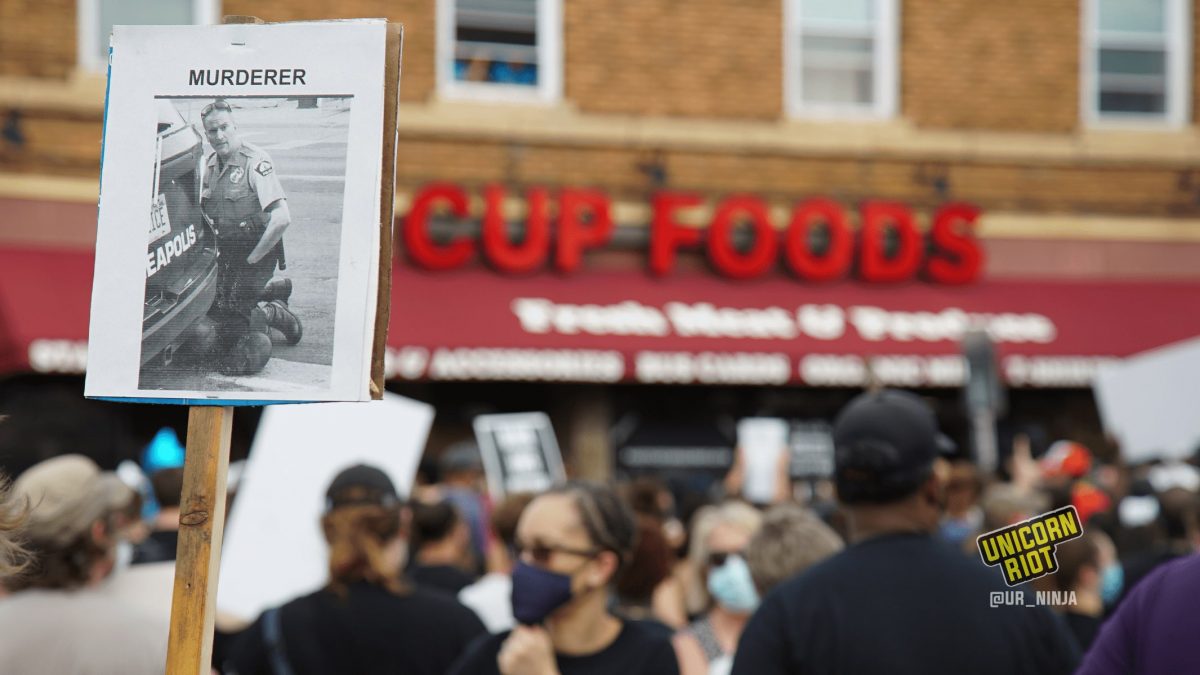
(706, 646)
(731, 585)
(571, 543)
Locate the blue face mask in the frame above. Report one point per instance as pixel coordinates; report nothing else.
(536, 593)
(1112, 582)
(956, 531)
(732, 586)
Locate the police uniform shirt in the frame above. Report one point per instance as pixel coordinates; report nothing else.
(246, 185)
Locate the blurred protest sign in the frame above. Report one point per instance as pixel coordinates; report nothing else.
(811, 445)
(1148, 402)
(274, 548)
(984, 396)
(761, 441)
(653, 445)
(520, 453)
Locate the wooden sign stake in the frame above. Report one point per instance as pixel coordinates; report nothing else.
(201, 526)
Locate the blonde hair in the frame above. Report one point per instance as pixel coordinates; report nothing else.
(791, 540)
(357, 536)
(14, 558)
(707, 518)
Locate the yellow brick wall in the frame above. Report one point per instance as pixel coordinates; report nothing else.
(965, 65)
(1010, 65)
(1115, 188)
(692, 58)
(37, 38)
(56, 143)
(68, 144)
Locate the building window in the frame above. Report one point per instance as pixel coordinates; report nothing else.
(500, 49)
(840, 57)
(1136, 61)
(96, 19)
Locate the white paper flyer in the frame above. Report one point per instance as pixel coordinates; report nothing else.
(237, 248)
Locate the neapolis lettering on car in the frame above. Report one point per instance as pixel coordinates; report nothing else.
(1025, 551)
(163, 255)
(256, 77)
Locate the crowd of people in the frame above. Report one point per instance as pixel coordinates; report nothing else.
(875, 570)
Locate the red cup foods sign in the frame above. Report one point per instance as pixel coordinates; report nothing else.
(561, 226)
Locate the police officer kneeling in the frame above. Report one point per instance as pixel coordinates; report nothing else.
(899, 599)
(245, 204)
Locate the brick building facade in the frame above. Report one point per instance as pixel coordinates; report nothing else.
(988, 112)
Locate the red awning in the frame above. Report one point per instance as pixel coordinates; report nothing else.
(45, 301)
(608, 325)
(693, 327)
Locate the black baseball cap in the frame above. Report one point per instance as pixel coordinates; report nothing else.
(361, 485)
(462, 456)
(885, 443)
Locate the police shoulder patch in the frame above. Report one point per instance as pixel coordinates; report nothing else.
(264, 168)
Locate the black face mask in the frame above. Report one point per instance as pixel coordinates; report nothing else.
(537, 592)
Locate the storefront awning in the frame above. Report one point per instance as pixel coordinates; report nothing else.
(614, 325)
(695, 328)
(45, 299)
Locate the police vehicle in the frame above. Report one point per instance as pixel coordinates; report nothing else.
(181, 260)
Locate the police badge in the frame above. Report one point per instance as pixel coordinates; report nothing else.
(236, 174)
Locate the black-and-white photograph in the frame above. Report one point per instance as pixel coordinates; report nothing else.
(245, 226)
(254, 279)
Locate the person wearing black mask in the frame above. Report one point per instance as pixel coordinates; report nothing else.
(571, 544)
(899, 599)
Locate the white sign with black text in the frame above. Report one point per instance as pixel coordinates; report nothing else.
(520, 453)
(255, 161)
(811, 444)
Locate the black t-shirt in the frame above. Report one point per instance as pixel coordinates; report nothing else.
(371, 630)
(444, 578)
(900, 604)
(158, 547)
(1083, 627)
(638, 650)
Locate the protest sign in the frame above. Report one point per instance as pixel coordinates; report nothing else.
(520, 453)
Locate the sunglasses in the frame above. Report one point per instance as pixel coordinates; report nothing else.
(219, 104)
(718, 558)
(541, 553)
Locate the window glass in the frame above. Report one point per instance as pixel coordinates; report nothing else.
(496, 41)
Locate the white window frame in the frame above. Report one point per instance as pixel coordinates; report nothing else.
(1178, 71)
(886, 66)
(548, 90)
(87, 30)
